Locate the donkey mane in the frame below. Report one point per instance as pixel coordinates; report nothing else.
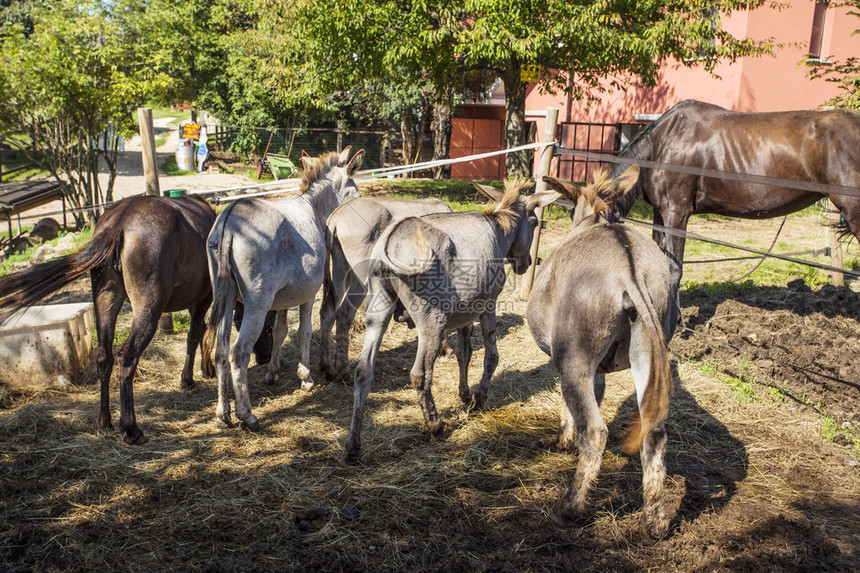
(316, 167)
(596, 191)
(503, 212)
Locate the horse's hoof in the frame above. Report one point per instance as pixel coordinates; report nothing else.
(479, 400)
(135, 439)
(271, 378)
(251, 424)
(307, 385)
(187, 385)
(466, 398)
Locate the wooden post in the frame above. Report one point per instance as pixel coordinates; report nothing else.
(543, 169)
(835, 247)
(147, 139)
(150, 172)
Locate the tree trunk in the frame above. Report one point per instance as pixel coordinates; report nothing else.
(516, 164)
(406, 128)
(442, 126)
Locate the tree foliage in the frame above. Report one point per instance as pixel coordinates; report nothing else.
(72, 83)
(844, 73)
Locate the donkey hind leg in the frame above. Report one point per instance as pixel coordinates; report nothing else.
(240, 358)
(464, 355)
(279, 333)
(143, 327)
(491, 357)
(577, 389)
(653, 449)
(345, 317)
(108, 295)
(380, 308)
(221, 357)
(195, 336)
(305, 328)
(421, 376)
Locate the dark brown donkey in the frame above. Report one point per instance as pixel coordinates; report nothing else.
(149, 250)
(806, 146)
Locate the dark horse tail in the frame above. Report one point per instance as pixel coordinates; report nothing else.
(219, 250)
(25, 288)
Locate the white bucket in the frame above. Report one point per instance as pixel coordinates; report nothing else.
(185, 158)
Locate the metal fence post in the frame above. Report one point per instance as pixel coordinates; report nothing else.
(543, 169)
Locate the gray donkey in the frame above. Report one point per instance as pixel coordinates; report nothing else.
(271, 255)
(603, 302)
(447, 269)
(351, 231)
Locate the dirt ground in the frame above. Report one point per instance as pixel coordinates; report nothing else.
(752, 483)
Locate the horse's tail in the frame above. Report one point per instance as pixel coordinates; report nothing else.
(410, 248)
(25, 288)
(654, 404)
(218, 247)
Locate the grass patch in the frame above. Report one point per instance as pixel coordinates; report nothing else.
(80, 241)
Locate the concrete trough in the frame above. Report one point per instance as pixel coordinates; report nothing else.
(46, 345)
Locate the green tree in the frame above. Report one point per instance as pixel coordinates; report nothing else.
(844, 73)
(602, 45)
(72, 84)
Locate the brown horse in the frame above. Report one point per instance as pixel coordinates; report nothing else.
(807, 146)
(149, 250)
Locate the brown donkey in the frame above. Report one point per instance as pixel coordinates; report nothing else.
(149, 250)
(603, 302)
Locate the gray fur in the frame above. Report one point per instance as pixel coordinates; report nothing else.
(351, 231)
(272, 255)
(602, 302)
(447, 269)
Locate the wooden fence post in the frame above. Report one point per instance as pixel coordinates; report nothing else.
(835, 247)
(150, 172)
(544, 163)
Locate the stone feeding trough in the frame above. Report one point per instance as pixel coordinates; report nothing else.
(46, 345)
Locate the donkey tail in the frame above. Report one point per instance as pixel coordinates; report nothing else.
(218, 246)
(412, 246)
(25, 288)
(654, 406)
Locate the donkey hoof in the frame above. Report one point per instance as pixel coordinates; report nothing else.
(654, 528)
(251, 424)
(223, 423)
(271, 378)
(307, 385)
(437, 429)
(466, 398)
(565, 515)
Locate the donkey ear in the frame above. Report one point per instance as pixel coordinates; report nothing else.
(567, 188)
(542, 199)
(491, 192)
(355, 162)
(625, 182)
(306, 164)
(344, 155)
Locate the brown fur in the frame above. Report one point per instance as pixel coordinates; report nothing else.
(503, 212)
(316, 167)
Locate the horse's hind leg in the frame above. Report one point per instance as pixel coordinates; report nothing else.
(108, 295)
(491, 356)
(142, 330)
(464, 355)
(305, 327)
(279, 333)
(577, 389)
(195, 336)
